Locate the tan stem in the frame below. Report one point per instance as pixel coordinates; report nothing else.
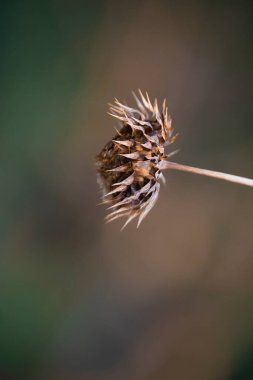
(208, 173)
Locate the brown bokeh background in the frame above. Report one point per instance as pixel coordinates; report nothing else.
(79, 299)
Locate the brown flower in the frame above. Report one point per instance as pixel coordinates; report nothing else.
(129, 165)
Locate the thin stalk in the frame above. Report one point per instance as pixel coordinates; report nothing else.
(208, 173)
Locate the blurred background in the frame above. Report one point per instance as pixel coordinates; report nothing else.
(78, 298)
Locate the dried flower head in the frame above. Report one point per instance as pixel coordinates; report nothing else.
(129, 166)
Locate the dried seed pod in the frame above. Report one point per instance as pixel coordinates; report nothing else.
(129, 165)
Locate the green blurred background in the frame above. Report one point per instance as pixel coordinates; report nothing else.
(79, 299)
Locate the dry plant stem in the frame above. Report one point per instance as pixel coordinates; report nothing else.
(208, 173)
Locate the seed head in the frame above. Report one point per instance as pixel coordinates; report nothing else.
(129, 165)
